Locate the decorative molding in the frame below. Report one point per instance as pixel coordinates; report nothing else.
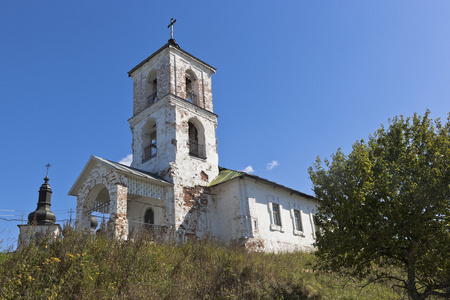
(146, 189)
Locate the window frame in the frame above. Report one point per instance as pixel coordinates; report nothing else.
(276, 214)
(297, 222)
(276, 223)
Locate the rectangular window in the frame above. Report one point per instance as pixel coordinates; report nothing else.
(298, 220)
(276, 214)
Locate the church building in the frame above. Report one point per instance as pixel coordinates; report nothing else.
(174, 185)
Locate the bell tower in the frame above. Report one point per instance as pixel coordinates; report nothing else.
(174, 127)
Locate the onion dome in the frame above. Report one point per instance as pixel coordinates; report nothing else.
(94, 222)
(43, 215)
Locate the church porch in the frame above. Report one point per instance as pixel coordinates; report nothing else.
(124, 197)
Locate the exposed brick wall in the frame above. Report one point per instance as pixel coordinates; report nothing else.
(98, 178)
(171, 66)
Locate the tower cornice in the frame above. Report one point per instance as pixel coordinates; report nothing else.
(174, 47)
(167, 100)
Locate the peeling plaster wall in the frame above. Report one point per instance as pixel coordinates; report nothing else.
(183, 63)
(141, 88)
(172, 115)
(190, 175)
(171, 65)
(117, 190)
(163, 113)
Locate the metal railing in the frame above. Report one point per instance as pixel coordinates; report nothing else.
(150, 231)
(191, 97)
(149, 152)
(196, 149)
(152, 98)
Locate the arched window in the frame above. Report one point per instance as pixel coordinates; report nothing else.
(149, 140)
(191, 87)
(196, 139)
(149, 217)
(152, 88)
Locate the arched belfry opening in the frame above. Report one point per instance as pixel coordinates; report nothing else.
(196, 139)
(149, 140)
(152, 87)
(191, 87)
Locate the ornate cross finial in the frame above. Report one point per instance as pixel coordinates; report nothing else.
(48, 166)
(172, 21)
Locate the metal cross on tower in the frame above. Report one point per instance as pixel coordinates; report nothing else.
(172, 21)
(48, 166)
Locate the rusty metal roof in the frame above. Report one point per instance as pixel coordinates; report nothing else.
(227, 175)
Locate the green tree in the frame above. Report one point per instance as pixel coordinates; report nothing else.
(384, 208)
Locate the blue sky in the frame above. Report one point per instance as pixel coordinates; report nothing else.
(295, 79)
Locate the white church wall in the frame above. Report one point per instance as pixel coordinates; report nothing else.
(163, 113)
(189, 167)
(268, 236)
(191, 174)
(226, 212)
(241, 212)
(136, 209)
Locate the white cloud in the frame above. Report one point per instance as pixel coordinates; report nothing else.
(126, 160)
(272, 165)
(248, 169)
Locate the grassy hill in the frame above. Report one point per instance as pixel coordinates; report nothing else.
(79, 267)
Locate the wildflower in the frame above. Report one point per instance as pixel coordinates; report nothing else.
(91, 278)
(56, 259)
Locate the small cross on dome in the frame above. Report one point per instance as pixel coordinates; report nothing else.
(47, 166)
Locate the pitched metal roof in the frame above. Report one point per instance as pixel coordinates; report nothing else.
(133, 171)
(125, 170)
(227, 175)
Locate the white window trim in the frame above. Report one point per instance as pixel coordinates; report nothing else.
(273, 226)
(294, 227)
(313, 226)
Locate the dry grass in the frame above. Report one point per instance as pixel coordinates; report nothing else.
(80, 267)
